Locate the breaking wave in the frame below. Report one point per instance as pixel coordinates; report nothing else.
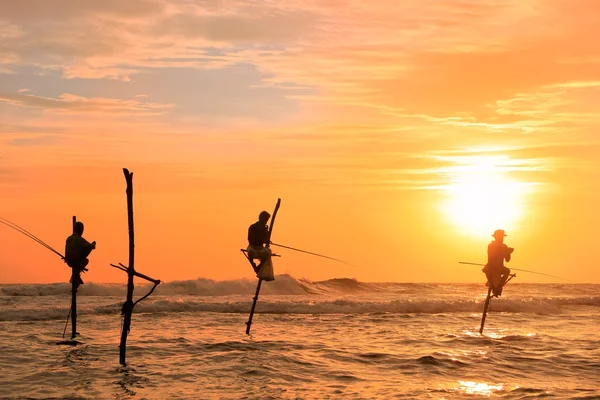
(283, 285)
(287, 295)
(303, 306)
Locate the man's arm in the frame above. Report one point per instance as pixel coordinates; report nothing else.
(267, 236)
(87, 245)
(509, 251)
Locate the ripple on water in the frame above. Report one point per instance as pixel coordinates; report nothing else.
(441, 361)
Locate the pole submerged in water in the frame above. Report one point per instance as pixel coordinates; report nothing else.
(74, 280)
(249, 323)
(485, 309)
(486, 305)
(128, 306)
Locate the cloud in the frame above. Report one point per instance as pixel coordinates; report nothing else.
(36, 10)
(71, 103)
(89, 37)
(532, 164)
(337, 80)
(414, 55)
(232, 93)
(34, 141)
(25, 128)
(261, 29)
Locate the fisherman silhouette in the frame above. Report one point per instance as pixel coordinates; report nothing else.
(258, 236)
(76, 251)
(495, 271)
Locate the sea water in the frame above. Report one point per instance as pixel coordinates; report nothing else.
(336, 339)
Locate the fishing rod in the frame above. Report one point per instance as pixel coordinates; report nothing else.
(29, 235)
(22, 230)
(67, 323)
(314, 254)
(522, 270)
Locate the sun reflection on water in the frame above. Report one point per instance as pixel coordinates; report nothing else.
(478, 388)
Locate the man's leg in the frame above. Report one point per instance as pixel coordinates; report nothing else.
(263, 255)
(494, 280)
(505, 273)
(252, 255)
(82, 266)
(78, 280)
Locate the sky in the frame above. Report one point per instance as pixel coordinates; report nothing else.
(399, 135)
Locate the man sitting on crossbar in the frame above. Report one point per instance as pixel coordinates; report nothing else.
(258, 237)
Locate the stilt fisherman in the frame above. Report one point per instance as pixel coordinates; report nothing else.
(76, 251)
(258, 237)
(495, 271)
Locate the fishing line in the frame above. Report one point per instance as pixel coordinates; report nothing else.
(521, 270)
(66, 323)
(314, 254)
(23, 231)
(29, 235)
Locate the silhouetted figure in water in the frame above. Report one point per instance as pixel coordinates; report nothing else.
(76, 251)
(494, 270)
(258, 236)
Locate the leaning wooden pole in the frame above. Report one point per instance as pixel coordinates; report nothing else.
(485, 308)
(74, 280)
(249, 323)
(487, 301)
(128, 306)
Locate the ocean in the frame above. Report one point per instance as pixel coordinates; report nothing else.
(335, 339)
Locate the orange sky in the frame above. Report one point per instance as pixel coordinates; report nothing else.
(399, 135)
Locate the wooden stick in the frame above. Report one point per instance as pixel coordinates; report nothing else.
(119, 267)
(128, 306)
(138, 274)
(74, 280)
(487, 301)
(249, 323)
(485, 308)
(127, 309)
(67, 323)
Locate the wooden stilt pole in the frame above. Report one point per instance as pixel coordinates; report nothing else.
(249, 323)
(487, 301)
(74, 280)
(485, 308)
(128, 306)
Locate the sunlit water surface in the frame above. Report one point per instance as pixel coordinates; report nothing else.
(338, 339)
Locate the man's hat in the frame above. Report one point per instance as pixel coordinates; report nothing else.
(499, 232)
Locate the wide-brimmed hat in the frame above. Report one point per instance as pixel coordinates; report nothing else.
(499, 232)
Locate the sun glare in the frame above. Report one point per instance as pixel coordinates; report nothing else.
(481, 197)
(478, 388)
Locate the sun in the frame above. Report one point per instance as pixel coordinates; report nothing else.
(481, 196)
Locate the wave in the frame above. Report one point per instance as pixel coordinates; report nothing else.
(293, 305)
(283, 285)
(288, 295)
